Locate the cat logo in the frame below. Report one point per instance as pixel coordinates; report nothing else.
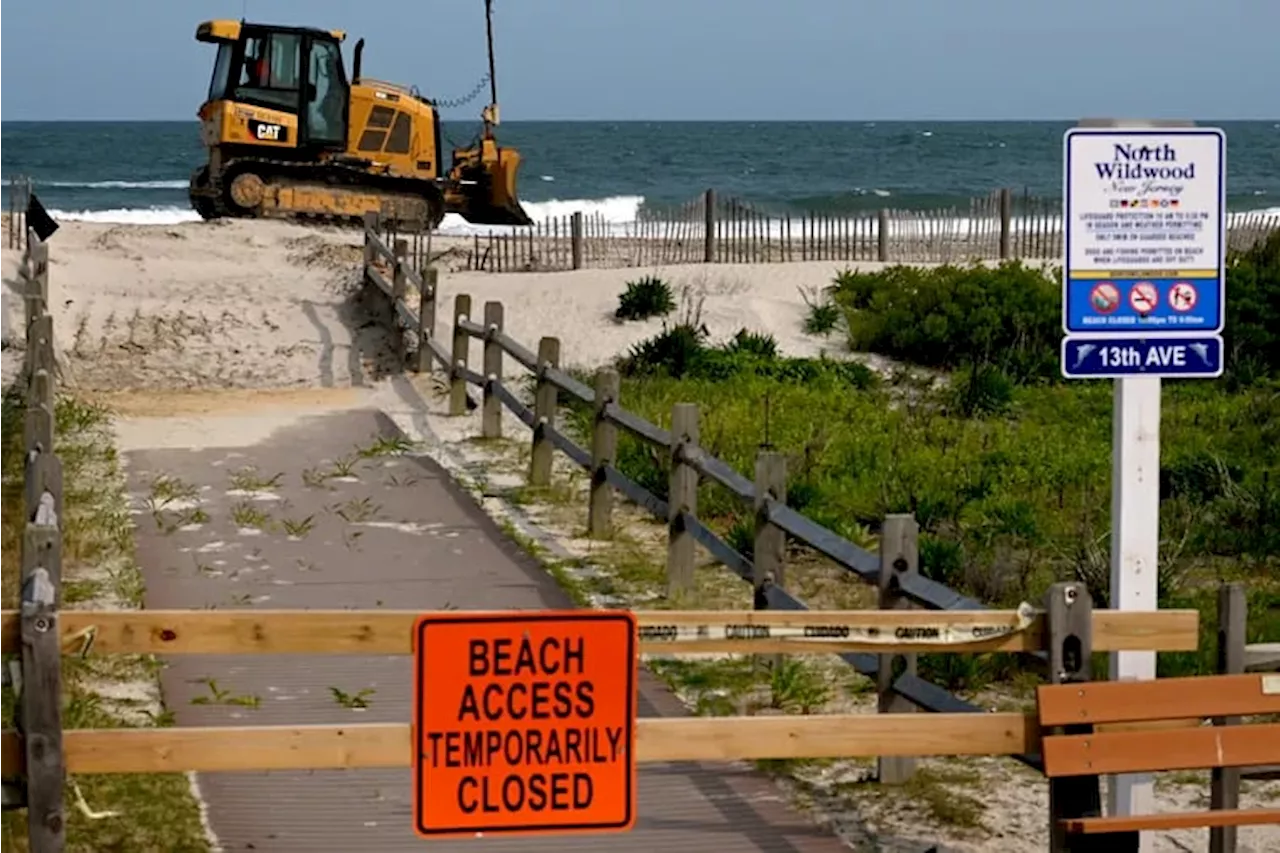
(269, 132)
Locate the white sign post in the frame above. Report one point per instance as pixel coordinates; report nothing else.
(1143, 297)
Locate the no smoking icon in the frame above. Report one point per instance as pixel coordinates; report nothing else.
(1143, 297)
(1183, 296)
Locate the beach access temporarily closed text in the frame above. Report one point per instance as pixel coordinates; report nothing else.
(524, 723)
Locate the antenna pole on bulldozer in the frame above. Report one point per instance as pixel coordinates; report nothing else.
(493, 80)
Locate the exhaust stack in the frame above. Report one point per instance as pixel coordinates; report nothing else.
(355, 61)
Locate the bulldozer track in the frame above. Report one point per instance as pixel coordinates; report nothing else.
(209, 193)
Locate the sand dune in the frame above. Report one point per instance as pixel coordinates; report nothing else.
(272, 304)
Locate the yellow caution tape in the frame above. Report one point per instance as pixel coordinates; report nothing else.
(937, 633)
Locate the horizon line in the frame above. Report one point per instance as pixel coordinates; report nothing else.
(445, 119)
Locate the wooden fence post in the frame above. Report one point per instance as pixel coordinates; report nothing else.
(1225, 783)
(491, 413)
(575, 238)
(1069, 618)
(709, 223)
(770, 544)
(882, 235)
(545, 400)
(40, 355)
(399, 288)
(458, 357)
(370, 230)
(1006, 222)
(43, 469)
(682, 496)
(36, 297)
(17, 210)
(899, 558)
(427, 317)
(35, 300)
(604, 451)
(40, 701)
(24, 232)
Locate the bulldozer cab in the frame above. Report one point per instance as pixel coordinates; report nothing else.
(290, 69)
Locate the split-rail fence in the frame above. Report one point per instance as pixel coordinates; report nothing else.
(894, 570)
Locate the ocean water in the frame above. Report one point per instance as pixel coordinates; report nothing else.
(138, 171)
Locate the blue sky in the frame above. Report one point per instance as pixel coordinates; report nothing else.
(690, 59)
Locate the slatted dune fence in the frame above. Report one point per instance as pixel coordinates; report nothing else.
(1248, 229)
(1036, 227)
(729, 230)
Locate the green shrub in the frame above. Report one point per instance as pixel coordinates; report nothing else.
(1251, 336)
(822, 314)
(648, 297)
(760, 344)
(671, 352)
(1008, 318)
(950, 317)
(982, 389)
(681, 351)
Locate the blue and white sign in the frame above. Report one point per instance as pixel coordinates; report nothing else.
(1198, 357)
(1144, 233)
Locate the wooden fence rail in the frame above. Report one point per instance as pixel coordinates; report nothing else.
(711, 229)
(894, 570)
(688, 739)
(388, 632)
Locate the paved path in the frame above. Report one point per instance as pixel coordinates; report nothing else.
(411, 539)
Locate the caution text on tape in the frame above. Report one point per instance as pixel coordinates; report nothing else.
(941, 632)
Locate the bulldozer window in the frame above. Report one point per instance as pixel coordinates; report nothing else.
(285, 61)
(221, 72)
(327, 91)
(269, 72)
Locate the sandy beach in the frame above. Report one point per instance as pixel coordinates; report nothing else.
(237, 304)
(216, 334)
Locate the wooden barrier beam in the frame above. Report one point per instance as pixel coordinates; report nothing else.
(670, 632)
(230, 748)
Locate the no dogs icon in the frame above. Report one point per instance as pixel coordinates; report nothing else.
(1183, 296)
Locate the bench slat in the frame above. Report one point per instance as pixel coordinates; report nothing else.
(1148, 751)
(1158, 699)
(1173, 820)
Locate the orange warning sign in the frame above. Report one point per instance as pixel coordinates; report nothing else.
(524, 722)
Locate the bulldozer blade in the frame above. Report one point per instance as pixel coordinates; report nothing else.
(502, 206)
(483, 213)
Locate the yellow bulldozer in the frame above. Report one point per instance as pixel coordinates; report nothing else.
(288, 135)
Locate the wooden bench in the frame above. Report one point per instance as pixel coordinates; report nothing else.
(1112, 727)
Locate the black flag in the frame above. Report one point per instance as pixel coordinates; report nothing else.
(39, 219)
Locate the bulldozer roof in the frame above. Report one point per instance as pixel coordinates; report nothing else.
(228, 30)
